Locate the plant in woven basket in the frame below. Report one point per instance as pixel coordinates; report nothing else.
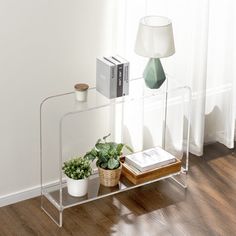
(107, 153)
(108, 156)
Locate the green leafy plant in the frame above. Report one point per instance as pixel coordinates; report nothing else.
(107, 153)
(77, 168)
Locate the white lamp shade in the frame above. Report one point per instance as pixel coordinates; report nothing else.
(155, 37)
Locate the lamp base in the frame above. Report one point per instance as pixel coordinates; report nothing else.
(154, 74)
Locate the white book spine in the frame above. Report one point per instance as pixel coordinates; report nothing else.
(113, 82)
(105, 78)
(142, 169)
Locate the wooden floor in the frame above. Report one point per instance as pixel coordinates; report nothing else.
(208, 207)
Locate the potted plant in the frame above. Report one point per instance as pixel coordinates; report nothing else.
(108, 160)
(77, 171)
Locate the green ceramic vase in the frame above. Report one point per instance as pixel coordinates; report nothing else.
(154, 74)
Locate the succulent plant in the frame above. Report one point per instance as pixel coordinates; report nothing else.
(77, 168)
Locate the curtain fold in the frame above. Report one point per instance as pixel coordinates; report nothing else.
(204, 32)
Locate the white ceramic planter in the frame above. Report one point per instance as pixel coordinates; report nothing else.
(77, 188)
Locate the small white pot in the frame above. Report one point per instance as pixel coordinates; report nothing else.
(81, 96)
(81, 92)
(77, 188)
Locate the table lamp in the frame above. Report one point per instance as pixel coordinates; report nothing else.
(154, 40)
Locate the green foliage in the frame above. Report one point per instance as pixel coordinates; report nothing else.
(107, 153)
(77, 168)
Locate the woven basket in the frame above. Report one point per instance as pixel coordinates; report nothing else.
(109, 178)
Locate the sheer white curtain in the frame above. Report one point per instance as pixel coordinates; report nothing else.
(204, 32)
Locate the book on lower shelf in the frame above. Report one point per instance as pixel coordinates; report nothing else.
(149, 165)
(150, 159)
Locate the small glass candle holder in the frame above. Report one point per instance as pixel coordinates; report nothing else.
(81, 91)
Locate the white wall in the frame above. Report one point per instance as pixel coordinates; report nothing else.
(46, 47)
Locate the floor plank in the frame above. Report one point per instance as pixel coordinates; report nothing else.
(208, 207)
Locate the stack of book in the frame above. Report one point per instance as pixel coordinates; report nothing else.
(150, 164)
(112, 76)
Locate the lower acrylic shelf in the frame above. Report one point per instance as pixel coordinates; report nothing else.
(95, 191)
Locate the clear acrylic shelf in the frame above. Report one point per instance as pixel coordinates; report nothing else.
(143, 119)
(95, 191)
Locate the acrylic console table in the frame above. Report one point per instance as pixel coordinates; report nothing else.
(143, 119)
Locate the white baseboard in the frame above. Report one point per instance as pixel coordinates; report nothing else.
(20, 196)
(29, 192)
(24, 194)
